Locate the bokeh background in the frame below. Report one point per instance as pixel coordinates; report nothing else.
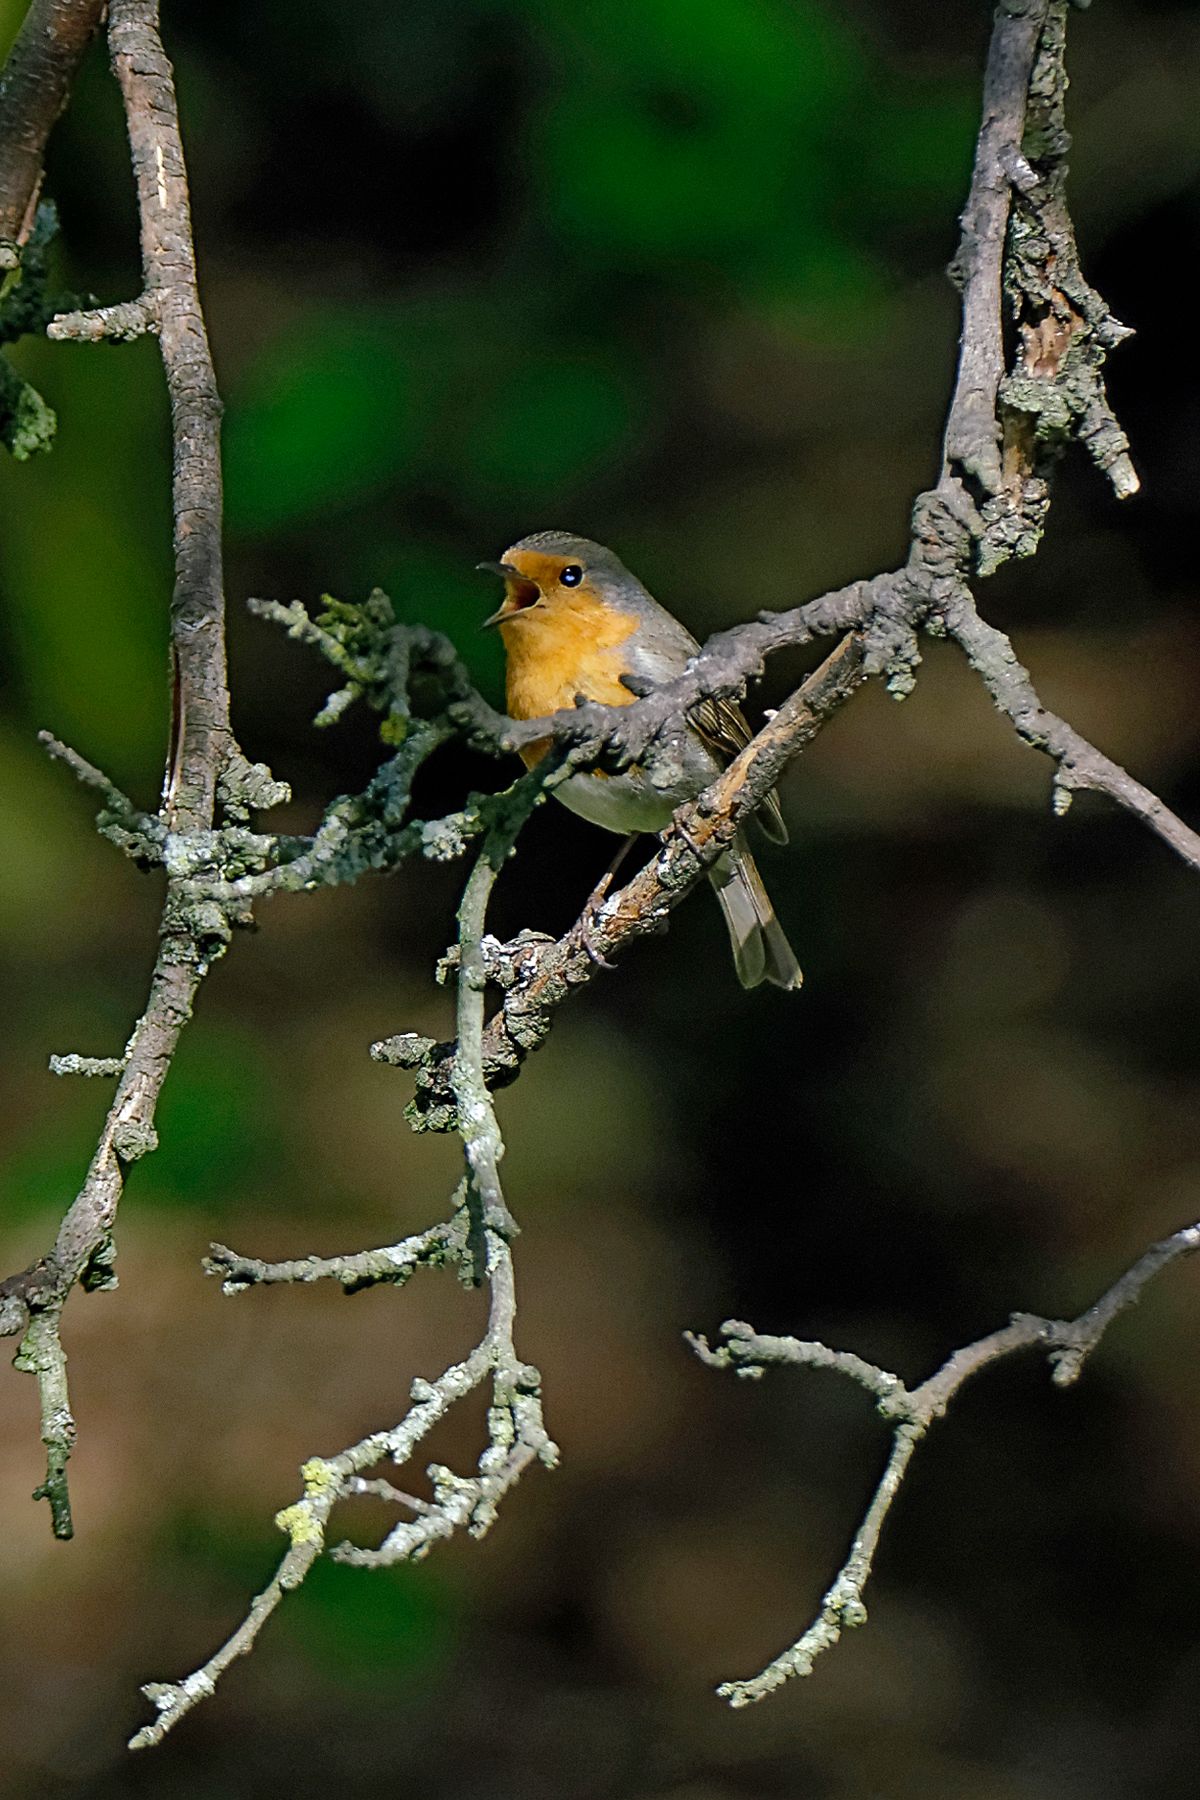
(669, 275)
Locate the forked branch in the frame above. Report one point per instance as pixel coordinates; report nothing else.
(477, 1238)
(912, 1411)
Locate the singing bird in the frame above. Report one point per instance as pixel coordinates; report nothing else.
(573, 622)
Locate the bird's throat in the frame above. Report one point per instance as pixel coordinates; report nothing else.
(561, 651)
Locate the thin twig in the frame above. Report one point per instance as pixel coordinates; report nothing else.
(1080, 764)
(516, 1437)
(171, 293)
(140, 834)
(1066, 1342)
(364, 1268)
(120, 323)
(517, 1433)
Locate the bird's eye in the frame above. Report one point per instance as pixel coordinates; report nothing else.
(572, 575)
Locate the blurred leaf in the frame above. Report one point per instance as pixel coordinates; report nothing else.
(203, 1540)
(824, 288)
(42, 1176)
(327, 414)
(87, 624)
(354, 1623)
(919, 148)
(658, 187)
(786, 56)
(222, 1121)
(704, 141)
(554, 421)
(56, 869)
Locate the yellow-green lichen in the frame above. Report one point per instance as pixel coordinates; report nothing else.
(299, 1524)
(319, 1476)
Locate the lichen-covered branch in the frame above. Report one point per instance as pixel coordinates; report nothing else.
(393, 1265)
(912, 1411)
(972, 438)
(516, 1430)
(517, 1437)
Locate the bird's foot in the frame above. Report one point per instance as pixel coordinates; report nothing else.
(589, 918)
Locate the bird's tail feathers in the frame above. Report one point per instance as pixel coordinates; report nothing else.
(761, 951)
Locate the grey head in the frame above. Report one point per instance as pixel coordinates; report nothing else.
(606, 575)
(601, 566)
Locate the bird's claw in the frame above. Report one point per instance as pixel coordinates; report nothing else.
(589, 916)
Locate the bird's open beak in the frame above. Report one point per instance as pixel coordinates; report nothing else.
(520, 593)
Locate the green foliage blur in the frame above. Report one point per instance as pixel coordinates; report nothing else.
(669, 275)
(26, 422)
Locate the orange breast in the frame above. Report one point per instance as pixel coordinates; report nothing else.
(565, 649)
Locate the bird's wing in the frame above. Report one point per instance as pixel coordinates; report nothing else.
(659, 652)
(724, 728)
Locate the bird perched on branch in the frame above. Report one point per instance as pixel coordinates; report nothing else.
(576, 623)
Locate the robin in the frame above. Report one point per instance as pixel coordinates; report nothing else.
(574, 622)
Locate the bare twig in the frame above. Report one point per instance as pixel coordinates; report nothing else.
(141, 835)
(516, 1437)
(120, 323)
(34, 85)
(193, 931)
(204, 745)
(1080, 764)
(364, 1268)
(972, 440)
(912, 1410)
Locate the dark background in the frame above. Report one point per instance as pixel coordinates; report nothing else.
(669, 275)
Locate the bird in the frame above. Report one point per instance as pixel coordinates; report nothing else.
(575, 623)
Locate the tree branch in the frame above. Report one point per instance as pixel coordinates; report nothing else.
(203, 742)
(194, 931)
(34, 85)
(1080, 764)
(516, 1428)
(1066, 1342)
(537, 975)
(972, 437)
